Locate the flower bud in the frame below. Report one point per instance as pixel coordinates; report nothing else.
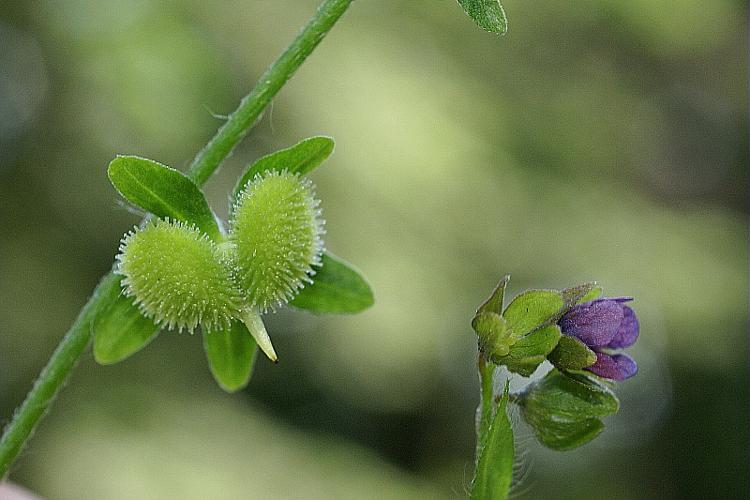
(595, 329)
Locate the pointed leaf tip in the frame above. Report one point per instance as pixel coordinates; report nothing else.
(495, 301)
(487, 14)
(581, 293)
(257, 329)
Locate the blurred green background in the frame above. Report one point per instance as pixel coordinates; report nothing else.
(599, 139)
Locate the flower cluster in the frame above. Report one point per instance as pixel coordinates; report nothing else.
(580, 333)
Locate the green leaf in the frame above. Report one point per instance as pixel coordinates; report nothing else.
(530, 351)
(120, 330)
(532, 309)
(571, 354)
(488, 14)
(494, 472)
(495, 302)
(337, 288)
(564, 409)
(301, 158)
(163, 191)
(231, 355)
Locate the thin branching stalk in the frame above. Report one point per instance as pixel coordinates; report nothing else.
(239, 123)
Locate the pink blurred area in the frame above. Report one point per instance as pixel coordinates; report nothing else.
(10, 491)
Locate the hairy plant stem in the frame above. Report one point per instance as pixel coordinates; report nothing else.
(495, 446)
(486, 407)
(239, 123)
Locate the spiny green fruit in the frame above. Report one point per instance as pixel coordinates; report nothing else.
(178, 277)
(276, 231)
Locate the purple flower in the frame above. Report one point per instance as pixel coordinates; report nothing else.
(604, 325)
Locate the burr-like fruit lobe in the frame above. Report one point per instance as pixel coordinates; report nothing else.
(178, 277)
(276, 232)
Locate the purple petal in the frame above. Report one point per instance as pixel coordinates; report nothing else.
(620, 299)
(594, 323)
(614, 299)
(627, 333)
(617, 367)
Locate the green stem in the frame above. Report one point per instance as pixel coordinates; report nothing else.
(487, 400)
(495, 445)
(65, 357)
(53, 376)
(241, 121)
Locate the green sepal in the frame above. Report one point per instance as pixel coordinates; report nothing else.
(337, 288)
(492, 331)
(593, 294)
(301, 159)
(563, 436)
(533, 309)
(231, 355)
(488, 14)
(571, 354)
(564, 409)
(570, 396)
(120, 330)
(163, 191)
(530, 351)
(489, 325)
(580, 293)
(495, 301)
(494, 472)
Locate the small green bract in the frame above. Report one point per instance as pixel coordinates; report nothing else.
(277, 234)
(177, 276)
